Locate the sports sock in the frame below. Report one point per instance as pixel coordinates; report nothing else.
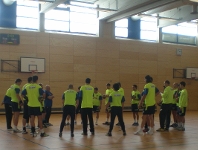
(96, 120)
(15, 127)
(42, 130)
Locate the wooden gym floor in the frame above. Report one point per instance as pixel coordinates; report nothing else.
(171, 140)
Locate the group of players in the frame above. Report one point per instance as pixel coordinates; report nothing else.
(88, 100)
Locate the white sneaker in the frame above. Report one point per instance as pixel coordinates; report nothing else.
(17, 131)
(28, 127)
(150, 132)
(139, 132)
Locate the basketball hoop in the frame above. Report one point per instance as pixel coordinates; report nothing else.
(34, 72)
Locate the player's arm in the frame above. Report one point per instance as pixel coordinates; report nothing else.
(144, 94)
(63, 99)
(123, 100)
(17, 90)
(23, 94)
(100, 98)
(109, 101)
(77, 100)
(157, 92)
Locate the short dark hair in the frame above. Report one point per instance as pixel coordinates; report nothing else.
(18, 80)
(29, 79)
(88, 80)
(148, 78)
(119, 84)
(79, 87)
(167, 82)
(108, 84)
(135, 86)
(41, 84)
(34, 78)
(183, 83)
(96, 88)
(116, 86)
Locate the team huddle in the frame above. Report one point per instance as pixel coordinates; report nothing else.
(38, 102)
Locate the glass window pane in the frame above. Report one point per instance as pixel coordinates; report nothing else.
(81, 9)
(56, 25)
(27, 11)
(84, 28)
(121, 32)
(170, 29)
(57, 15)
(122, 23)
(148, 35)
(190, 25)
(182, 30)
(144, 25)
(30, 23)
(28, 3)
(82, 18)
(150, 19)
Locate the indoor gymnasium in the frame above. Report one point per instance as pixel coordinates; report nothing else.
(98, 74)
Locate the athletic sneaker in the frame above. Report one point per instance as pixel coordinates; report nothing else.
(106, 123)
(17, 131)
(146, 130)
(181, 129)
(118, 124)
(24, 132)
(50, 124)
(43, 134)
(134, 124)
(139, 132)
(83, 133)
(109, 134)
(96, 123)
(166, 129)
(28, 127)
(150, 132)
(160, 130)
(60, 134)
(72, 134)
(10, 129)
(34, 134)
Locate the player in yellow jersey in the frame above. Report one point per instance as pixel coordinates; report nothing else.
(97, 103)
(165, 110)
(25, 109)
(183, 103)
(108, 91)
(135, 98)
(86, 93)
(34, 93)
(70, 103)
(16, 103)
(149, 97)
(116, 101)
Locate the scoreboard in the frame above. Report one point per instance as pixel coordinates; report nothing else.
(10, 39)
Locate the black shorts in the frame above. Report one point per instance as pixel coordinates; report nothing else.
(181, 112)
(149, 110)
(43, 110)
(174, 107)
(78, 109)
(16, 107)
(96, 109)
(134, 108)
(34, 111)
(25, 110)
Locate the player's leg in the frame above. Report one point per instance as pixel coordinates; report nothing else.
(64, 116)
(168, 116)
(16, 113)
(144, 119)
(162, 117)
(120, 119)
(32, 123)
(8, 112)
(67, 120)
(108, 115)
(72, 115)
(38, 113)
(97, 117)
(113, 115)
(25, 117)
(84, 120)
(91, 122)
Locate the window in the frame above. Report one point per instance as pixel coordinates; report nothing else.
(73, 19)
(27, 15)
(57, 20)
(121, 28)
(148, 28)
(183, 33)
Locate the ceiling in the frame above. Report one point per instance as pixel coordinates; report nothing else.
(169, 11)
